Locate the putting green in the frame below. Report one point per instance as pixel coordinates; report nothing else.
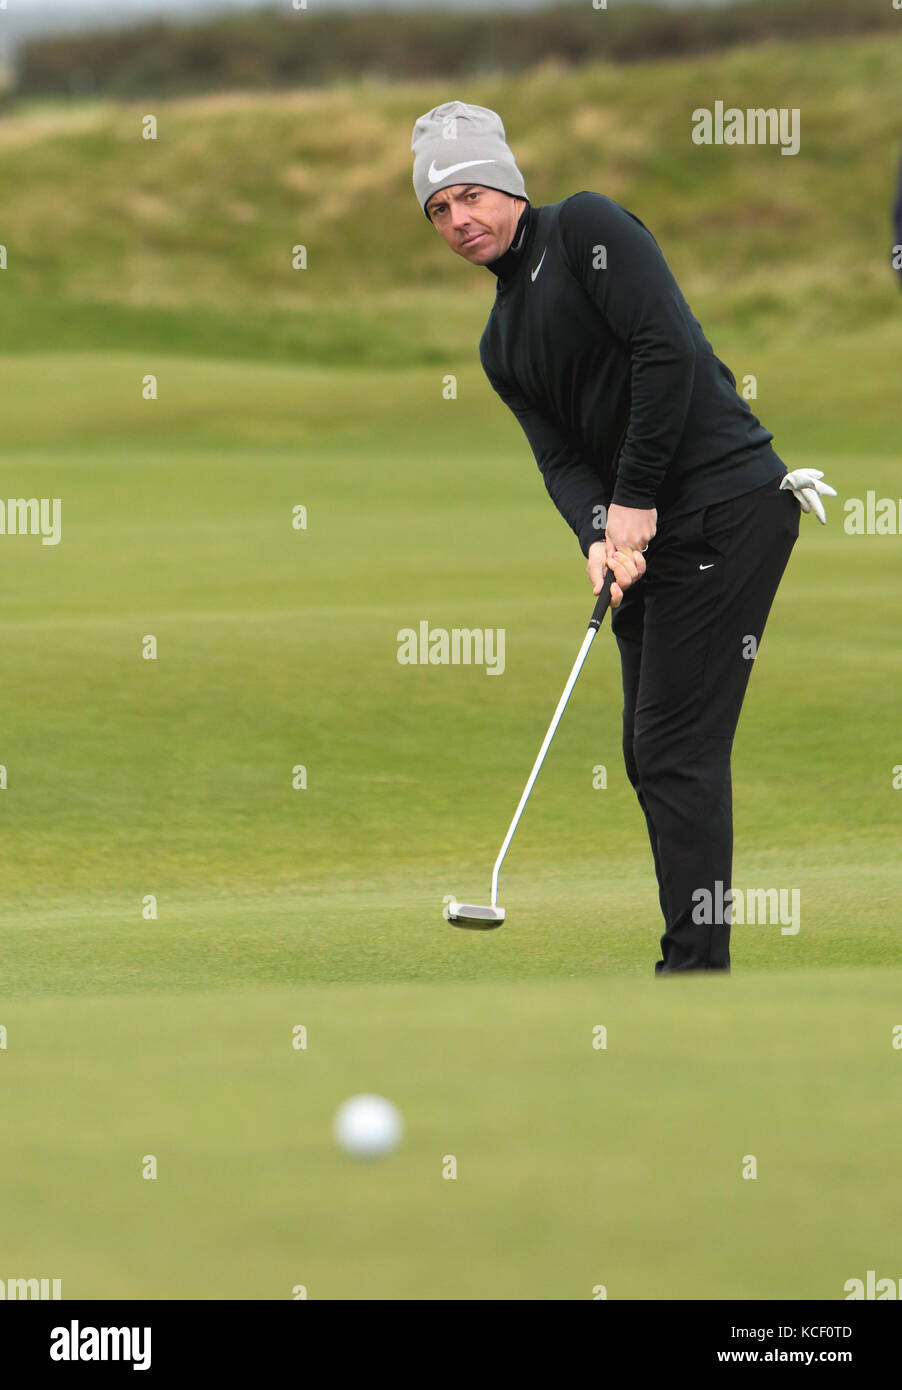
(577, 1166)
(178, 895)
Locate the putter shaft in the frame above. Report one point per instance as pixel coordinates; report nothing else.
(601, 607)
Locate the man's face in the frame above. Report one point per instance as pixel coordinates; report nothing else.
(478, 223)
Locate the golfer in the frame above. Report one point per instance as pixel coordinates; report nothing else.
(656, 463)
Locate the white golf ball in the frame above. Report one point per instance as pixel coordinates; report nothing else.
(368, 1126)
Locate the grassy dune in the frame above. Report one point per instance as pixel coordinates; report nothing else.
(185, 241)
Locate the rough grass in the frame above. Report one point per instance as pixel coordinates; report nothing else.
(196, 228)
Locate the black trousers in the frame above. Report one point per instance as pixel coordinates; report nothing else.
(688, 634)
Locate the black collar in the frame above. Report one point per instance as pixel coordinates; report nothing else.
(513, 258)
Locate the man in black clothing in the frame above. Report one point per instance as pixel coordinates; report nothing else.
(658, 466)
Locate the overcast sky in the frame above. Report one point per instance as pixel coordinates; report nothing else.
(22, 18)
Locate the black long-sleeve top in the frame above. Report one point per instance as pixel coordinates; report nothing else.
(593, 347)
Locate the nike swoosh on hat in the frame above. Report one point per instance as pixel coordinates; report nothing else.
(434, 174)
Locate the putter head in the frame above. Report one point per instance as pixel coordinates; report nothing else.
(474, 917)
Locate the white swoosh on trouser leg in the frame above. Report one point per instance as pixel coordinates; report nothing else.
(434, 174)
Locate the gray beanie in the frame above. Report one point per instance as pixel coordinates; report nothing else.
(454, 139)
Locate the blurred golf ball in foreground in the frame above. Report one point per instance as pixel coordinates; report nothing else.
(368, 1126)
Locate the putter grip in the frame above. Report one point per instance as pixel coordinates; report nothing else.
(604, 599)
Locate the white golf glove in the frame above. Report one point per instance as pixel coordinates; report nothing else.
(808, 488)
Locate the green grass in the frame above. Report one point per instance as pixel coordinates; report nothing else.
(170, 1036)
(278, 648)
(576, 1167)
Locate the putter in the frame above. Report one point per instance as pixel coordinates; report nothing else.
(484, 918)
